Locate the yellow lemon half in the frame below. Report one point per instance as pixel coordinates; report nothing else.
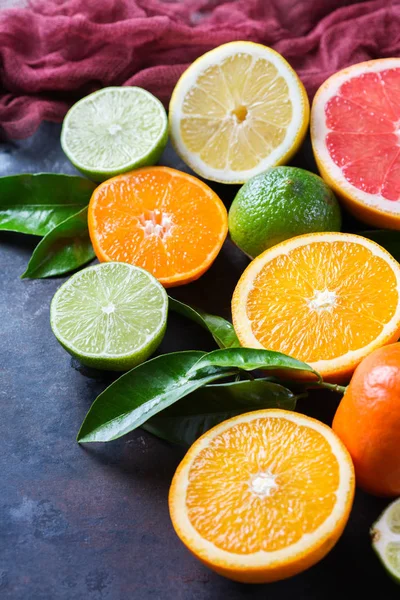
(236, 111)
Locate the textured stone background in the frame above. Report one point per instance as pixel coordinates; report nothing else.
(93, 522)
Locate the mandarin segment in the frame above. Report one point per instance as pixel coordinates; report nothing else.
(163, 220)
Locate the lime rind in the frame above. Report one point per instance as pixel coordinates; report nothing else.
(385, 535)
(281, 203)
(110, 316)
(114, 130)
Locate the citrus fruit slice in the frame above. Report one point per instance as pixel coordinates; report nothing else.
(114, 130)
(385, 535)
(328, 299)
(279, 204)
(263, 496)
(355, 135)
(163, 220)
(110, 316)
(236, 111)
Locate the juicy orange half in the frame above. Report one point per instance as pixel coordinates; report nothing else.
(328, 299)
(263, 496)
(165, 221)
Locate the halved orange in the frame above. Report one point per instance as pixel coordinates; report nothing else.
(328, 299)
(165, 221)
(263, 496)
(355, 121)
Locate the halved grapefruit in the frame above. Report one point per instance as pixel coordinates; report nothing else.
(355, 132)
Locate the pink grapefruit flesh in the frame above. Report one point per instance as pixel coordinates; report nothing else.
(355, 130)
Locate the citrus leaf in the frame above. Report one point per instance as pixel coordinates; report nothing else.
(221, 330)
(388, 238)
(66, 248)
(250, 359)
(185, 421)
(143, 392)
(36, 203)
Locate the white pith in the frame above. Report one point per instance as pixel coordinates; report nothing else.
(207, 550)
(262, 484)
(157, 223)
(188, 81)
(322, 300)
(245, 285)
(319, 131)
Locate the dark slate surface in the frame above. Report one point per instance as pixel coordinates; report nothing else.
(93, 522)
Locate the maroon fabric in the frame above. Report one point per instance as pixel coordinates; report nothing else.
(56, 51)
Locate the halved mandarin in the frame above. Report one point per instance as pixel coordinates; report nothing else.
(328, 299)
(355, 133)
(263, 496)
(165, 221)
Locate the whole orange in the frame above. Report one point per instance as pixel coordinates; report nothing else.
(368, 421)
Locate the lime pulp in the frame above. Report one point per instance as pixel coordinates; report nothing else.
(113, 131)
(110, 316)
(385, 535)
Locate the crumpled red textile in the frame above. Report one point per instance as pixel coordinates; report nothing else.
(56, 51)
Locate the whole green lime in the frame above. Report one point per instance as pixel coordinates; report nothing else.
(279, 204)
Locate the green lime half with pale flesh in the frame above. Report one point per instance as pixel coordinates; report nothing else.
(110, 316)
(279, 204)
(385, 535)
(114, 130)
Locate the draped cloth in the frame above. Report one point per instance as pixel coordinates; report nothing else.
(53, 52)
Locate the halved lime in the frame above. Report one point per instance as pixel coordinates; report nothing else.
(110, 316)
(114, 130)
(385, 535)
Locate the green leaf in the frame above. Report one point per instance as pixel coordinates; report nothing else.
(249, 359)
(143, 392)
(189, 418)
(221, 330)
(35, 204)
(66, 248)
(387, 238)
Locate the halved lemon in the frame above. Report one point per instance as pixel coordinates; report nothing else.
(263, 496)
(236, 111)
(328, 299)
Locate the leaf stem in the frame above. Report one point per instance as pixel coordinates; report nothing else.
(299, 396)
(340, 389)
(247, 374)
